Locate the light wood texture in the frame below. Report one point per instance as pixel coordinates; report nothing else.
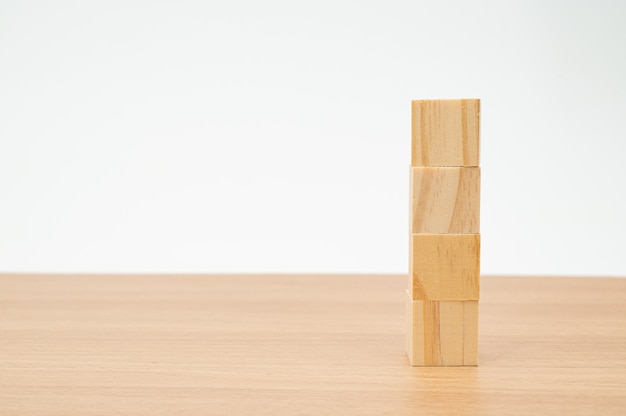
(312, 345)
(442, 333)
(445, 132)
(415, 331)
(445, 200)
(445, 266)
(444, 263)
(458, 332)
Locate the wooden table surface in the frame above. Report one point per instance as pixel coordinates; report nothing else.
(311, 345)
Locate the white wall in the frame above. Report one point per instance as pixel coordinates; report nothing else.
(274, 136)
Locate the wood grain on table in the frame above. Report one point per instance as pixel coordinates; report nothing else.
(299, 344)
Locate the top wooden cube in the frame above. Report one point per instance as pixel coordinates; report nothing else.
(445, 132)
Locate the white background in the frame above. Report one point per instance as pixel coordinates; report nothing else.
(274, 136)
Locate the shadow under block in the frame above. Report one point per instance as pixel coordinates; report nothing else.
(445, 200)
(444, 266)
(442, 333)
(445, 132)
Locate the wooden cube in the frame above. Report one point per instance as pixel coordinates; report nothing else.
(445, 132)
(445, 266)
(445, 200)
(442, 333)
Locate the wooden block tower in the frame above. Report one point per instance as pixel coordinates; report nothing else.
(444, 258)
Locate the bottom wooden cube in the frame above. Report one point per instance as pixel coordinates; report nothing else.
(442, 333)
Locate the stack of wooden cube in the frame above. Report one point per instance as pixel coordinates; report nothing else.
(444, 258)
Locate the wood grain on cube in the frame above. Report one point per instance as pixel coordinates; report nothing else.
(470, 332)
(445, 200)
(458, 333)
(415, 331)
(442, 333)
(445, 266)
(450, 333)
(445, 132)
